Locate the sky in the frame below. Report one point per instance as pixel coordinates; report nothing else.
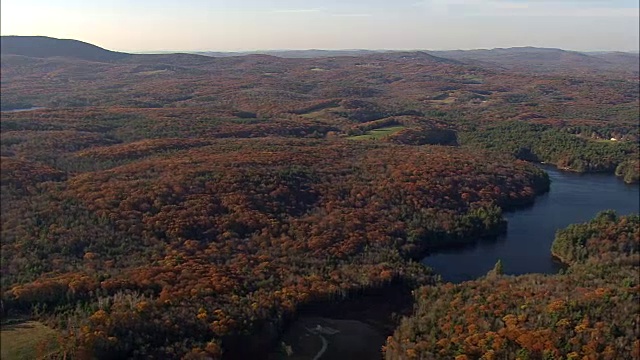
(240, 25)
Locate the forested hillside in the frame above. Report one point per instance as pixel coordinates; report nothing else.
(574, 114)
(184, 206)
(570, 148)
(591, 311)
(224, 236)
(45, 47)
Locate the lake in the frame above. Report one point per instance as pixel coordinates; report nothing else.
(526, 247)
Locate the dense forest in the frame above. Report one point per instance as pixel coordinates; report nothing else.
(222, 237)
(566, 148)
(591, 311)
(185, 206)
(567, 118)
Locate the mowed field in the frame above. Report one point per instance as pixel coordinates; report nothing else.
(26, 340)
(378, 133)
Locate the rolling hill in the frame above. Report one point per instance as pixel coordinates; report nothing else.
(545, 59)
(47, 47)
(527, 59)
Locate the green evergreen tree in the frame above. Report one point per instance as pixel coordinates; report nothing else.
(497, 269)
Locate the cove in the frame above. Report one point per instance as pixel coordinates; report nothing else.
(526, 247)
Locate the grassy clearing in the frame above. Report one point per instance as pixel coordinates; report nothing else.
(152, 72)
(376, 134)
(26, 340)
(449, 100)
(472, 79)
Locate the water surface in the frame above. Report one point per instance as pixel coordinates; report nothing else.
(526, 246)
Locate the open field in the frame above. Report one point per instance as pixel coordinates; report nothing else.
(26, 340)
(376, 134)
(326, 112)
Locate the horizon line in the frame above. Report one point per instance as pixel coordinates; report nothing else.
(330, 49)
(371, 49)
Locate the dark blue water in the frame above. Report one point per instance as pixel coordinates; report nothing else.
(526, 246)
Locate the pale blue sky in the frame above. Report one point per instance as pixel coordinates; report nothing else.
(219, 25)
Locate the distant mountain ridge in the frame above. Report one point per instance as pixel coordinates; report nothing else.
(535, 59)
(530, 59)
(294, 54)
(546, 59)
(46, 47)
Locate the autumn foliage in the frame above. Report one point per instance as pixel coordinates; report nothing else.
(221, 237)
(590, 312)
(180, 206)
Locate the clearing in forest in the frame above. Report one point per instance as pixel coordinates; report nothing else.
(379, 133)
(27, 340)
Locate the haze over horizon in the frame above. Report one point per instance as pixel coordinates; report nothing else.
(249, 25)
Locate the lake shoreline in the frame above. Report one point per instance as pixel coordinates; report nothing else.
(526, 246)
(397, 294)
(561, 259)
(587, 172)
(394, 299)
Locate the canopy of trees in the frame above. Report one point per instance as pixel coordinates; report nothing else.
(572, 151)
(591, 311)
(221, 236)
(181, 206)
